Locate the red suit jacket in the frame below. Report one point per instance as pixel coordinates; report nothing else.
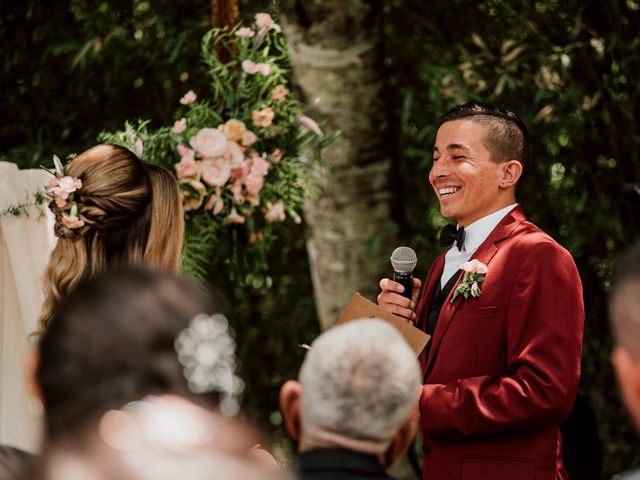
(503, 368)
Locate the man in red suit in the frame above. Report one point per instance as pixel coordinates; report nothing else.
(501, 370)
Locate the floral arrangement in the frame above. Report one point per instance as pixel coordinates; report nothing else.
(236, 154)
(474, 274)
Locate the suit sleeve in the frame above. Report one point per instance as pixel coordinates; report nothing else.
(545, 319)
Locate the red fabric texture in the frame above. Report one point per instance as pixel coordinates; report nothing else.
(503, 368)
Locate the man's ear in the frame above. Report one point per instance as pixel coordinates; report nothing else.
(511, 173)
(403, 438)
(290, 394)
(627, 370)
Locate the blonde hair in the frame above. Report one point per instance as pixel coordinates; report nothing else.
(132, 214)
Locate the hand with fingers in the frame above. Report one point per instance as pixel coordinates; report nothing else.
(391, 299)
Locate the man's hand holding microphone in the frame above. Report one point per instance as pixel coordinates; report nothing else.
(400, 295)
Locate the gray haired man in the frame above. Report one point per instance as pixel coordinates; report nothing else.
(354, 408)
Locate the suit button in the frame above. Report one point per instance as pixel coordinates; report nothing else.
(426, 449)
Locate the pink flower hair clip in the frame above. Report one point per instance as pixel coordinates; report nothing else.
(61, 189)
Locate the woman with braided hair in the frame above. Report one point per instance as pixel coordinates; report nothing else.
(111, 210)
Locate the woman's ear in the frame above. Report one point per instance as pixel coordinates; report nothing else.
(31, 362)
(511, 173)
(290, 394)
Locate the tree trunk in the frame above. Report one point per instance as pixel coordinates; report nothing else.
(336, 56)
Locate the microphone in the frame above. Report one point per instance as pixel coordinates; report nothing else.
(403, 261)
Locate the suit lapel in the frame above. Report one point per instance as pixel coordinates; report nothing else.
(484, 254)
(435, 272)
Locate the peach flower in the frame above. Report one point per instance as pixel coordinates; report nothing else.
(233, 154)
(245, 32)
(185, 151)
(188, 167)
(275, 213)
(234, 217)
(254, 183)
(193, 196)
(279, 93)
(310, 124)
(215, 204)
(249, 67)
(248, 138)
(259, 166)
(262, 118)
(215, 172)
(276, 155)
(208, 142)
(188, 98)
(72, 222)
(264, 20)
(233, 129)
(179, 126)
(474, 266)
(263, 69)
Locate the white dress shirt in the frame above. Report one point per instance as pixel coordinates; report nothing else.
(475, 234)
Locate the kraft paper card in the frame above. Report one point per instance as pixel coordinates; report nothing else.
(360, 307)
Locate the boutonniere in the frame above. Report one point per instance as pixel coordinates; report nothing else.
(474, 272)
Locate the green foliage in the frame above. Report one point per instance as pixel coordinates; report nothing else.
(566, 68)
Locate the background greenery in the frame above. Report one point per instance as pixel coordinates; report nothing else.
(73, 68)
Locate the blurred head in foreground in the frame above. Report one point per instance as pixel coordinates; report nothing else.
(358, 389)
(124, 335)
(160, 438)
(137, 378)
(624, 312)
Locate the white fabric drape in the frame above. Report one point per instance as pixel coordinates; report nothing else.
(25, 245)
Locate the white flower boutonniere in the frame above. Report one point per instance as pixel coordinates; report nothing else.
(474, 272)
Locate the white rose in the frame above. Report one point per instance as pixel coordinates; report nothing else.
(215, 172)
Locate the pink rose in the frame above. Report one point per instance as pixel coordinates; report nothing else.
(188, 98)
(215, 172)
(245, 32)
(193, 195)
(254, 183)
(259, 166)
(209, 142)
(263, 69)
(264, 20)
(275, 213)
(60, 202)
(72, 222)
(185, 151)
(279, 93)
(248, 138)
(310, 124)
(187, 167)
(474, 266)
(179, 126)
(262, 118)
(276, 155)
(234, 217)
(249, 67)
(234, 154)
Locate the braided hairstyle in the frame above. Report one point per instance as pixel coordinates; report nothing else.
(132, 213)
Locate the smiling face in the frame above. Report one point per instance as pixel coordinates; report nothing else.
(468, 183)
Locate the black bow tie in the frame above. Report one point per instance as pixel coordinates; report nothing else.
(449, 234)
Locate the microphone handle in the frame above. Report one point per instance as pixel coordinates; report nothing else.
(404, 279)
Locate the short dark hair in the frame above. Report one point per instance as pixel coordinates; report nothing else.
(110, 342)
(507, 137)
(624, 301)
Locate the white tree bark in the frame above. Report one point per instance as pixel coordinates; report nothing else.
(336, 55)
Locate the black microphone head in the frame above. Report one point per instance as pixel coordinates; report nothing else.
(404, 260)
